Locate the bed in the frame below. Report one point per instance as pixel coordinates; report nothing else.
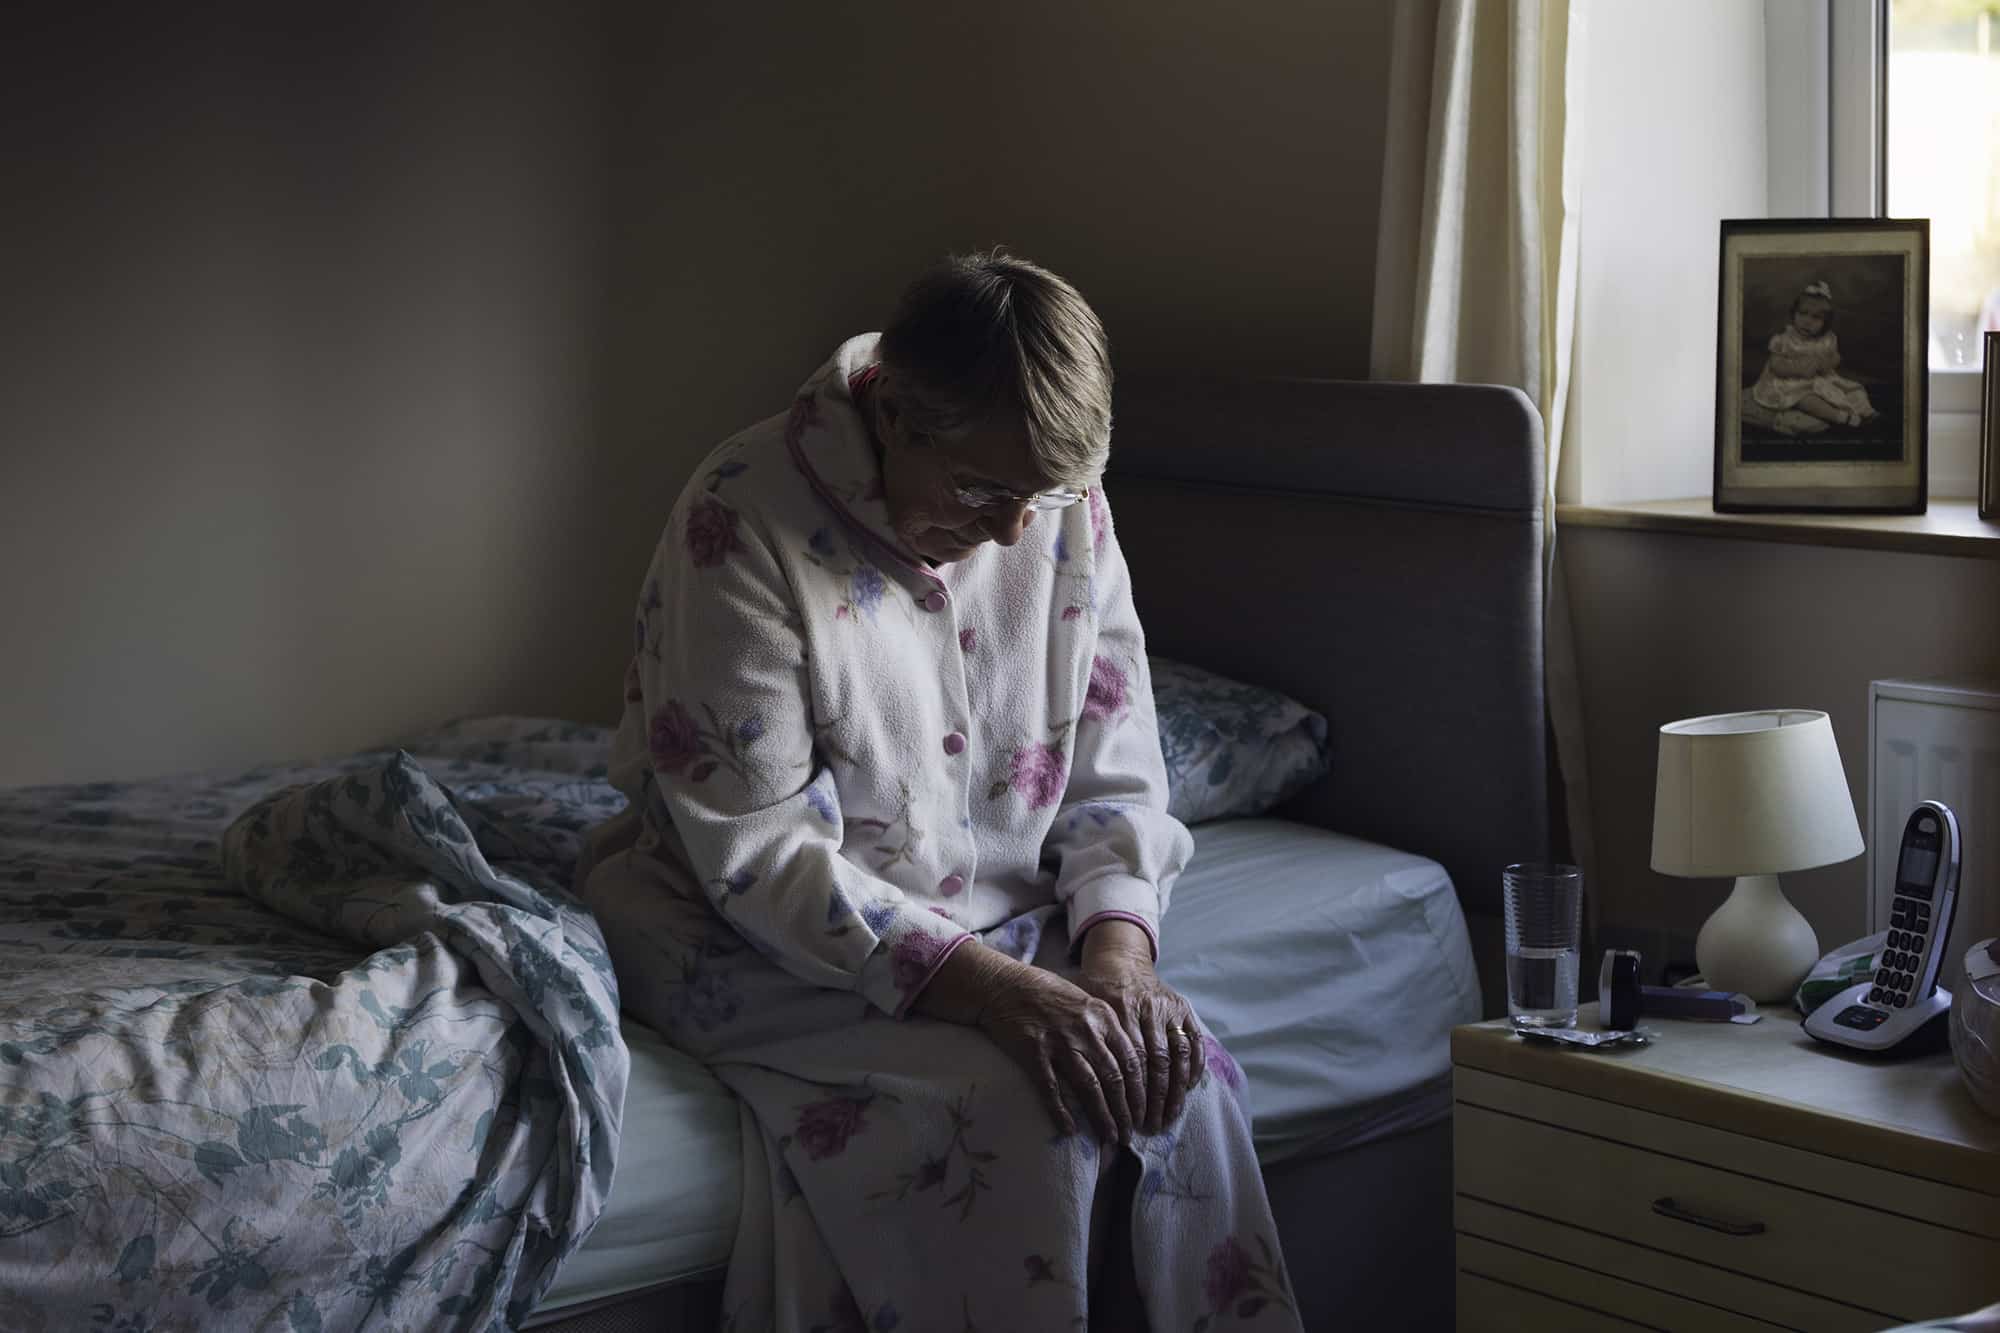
(1373, 551)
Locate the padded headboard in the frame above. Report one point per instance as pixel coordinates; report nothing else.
(1374, 551)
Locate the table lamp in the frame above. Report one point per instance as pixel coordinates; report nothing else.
(1752, 795)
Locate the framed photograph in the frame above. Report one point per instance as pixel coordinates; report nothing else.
(1989, 430)
(1822, 373)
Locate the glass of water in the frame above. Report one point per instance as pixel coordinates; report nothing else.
(1544, 909)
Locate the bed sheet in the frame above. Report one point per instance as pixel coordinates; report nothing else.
(371, 1070)
(672, 1211)
(1333, 969)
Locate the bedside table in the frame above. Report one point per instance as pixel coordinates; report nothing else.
(1728, 1177)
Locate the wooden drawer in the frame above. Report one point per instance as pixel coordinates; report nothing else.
(1891, 1264)
(1499, 1284)
(1487, 1306)
(1665, 1290)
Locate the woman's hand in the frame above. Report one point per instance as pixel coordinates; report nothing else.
(1118, 969)
(1068, 1040)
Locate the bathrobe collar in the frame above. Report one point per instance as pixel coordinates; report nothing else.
(831, 446)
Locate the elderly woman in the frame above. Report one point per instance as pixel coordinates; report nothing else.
(898, 849)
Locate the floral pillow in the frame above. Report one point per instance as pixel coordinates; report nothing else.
(1232, 750)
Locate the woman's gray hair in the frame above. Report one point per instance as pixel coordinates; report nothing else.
(989, 337)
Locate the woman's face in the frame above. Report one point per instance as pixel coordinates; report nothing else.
(920, 478)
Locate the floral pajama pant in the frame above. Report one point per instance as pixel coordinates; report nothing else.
(903, 1173)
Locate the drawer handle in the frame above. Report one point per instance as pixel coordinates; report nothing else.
(1666, 1207)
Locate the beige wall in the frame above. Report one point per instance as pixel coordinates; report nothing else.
(1673, 626)
(353, 360)
(298, 342)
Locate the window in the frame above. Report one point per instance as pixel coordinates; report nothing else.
(1912, 129)
(1943, 160)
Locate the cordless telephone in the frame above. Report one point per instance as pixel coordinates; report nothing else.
(1903, 995)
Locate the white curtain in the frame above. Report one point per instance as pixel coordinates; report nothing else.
(1476, 265)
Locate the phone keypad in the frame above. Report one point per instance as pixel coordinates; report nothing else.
(1901, 962)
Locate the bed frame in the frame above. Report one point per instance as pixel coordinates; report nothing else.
(1375, 551)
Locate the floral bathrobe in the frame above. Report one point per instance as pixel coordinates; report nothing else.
(844, 765)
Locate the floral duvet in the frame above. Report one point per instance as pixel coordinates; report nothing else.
(351, 1060)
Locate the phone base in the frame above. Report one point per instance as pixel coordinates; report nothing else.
(1846, 1020)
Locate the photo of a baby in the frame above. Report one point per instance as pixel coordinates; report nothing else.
(1799, 387)
(1822, 358)
(1822, 390)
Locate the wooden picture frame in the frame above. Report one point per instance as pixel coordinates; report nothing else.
(1989, 429)
(1822, 398)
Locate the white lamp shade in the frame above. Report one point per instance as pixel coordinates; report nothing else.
(1751, 794)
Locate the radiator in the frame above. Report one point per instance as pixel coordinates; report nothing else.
(1937, 740)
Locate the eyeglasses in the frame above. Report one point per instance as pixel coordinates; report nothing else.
(992, 497)
(980, 496)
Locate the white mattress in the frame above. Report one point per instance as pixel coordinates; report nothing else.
(1333, 969)
(674, 1200)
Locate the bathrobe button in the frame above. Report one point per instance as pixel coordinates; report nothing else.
(951, 884)
(936, 600)
(955, 743)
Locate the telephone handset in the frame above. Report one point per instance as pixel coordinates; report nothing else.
(1903, 995)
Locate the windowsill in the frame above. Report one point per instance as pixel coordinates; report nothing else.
(1952, 527)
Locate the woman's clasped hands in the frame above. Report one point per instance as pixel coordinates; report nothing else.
(1118, 1042)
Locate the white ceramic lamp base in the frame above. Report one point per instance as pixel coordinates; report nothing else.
(1756, 943)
